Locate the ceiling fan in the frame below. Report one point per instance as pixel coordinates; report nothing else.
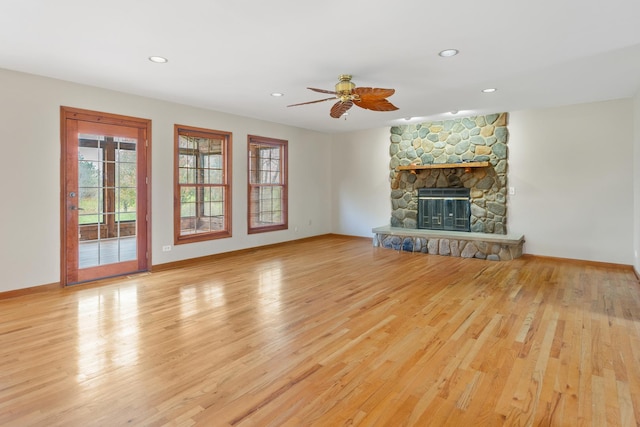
(347, 94)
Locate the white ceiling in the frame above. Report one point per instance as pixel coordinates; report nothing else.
(231, 55)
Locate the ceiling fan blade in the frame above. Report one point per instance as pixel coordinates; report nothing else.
(311, 102)
(373, 98)
(367, 93)
(322, 90)
(380, 104)
(339, 108)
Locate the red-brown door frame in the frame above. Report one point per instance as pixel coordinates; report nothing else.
(70, 118)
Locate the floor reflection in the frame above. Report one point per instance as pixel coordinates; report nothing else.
(195, 298)
(108, 331)
(269, 287)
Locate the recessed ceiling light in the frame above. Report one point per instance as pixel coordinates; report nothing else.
(449, 52)
(277, 94)
(158, 59)
(489, 90)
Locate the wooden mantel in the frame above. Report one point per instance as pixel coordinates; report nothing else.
(465, 165)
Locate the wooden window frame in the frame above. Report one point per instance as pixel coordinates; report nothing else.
(283, 145)
(227, 143)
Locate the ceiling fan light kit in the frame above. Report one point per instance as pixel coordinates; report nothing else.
(347, 94)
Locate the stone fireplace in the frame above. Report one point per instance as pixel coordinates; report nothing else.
(458, 143)
(464, 154)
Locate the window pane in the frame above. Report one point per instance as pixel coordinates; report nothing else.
(186, 142)
(126, 203)
(209, 146)
(204, 225)
(89, 174)
(126, 191)
(126, 216)
(188, 210)
(213, 176)
(188, 206)
(187, 160)
(126, 155)
(187, 176)
(89, 200)
(126, 175)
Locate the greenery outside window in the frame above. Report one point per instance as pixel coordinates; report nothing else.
(202, 195)
(268, 199)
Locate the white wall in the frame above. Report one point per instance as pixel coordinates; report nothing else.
(576, 203)
(636, 181)
(30, 175)
(360, 182)
(572, 170)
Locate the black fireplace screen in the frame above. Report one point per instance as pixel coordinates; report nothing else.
(444, 209)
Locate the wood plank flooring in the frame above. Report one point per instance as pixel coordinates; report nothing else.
(329, 332)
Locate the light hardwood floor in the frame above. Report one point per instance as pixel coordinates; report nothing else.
(329, 332)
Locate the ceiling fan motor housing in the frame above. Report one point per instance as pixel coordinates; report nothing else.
(345, 85)
(344, 88)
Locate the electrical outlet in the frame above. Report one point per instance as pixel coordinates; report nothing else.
(166, 248)
(512, 191)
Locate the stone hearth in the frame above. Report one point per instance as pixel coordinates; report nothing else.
(496, 247)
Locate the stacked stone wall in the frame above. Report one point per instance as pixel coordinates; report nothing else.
(458, 141)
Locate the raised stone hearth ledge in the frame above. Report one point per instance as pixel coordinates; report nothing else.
(493, 247)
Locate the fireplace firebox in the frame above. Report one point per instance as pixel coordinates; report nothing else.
(444, 209)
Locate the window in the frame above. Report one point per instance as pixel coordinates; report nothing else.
(267, 184)
(202, 195)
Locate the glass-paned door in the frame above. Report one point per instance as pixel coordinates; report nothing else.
(105, 200)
